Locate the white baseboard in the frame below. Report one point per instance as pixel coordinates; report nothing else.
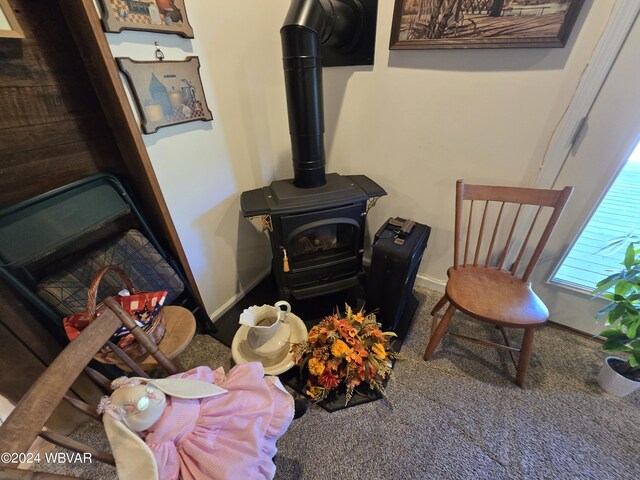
(215, 316)
(430, 282)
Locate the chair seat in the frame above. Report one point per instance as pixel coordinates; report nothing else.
(495, 296)
(181, 327)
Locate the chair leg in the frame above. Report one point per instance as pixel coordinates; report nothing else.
(525, 356)
(435, 311)
(434, 341)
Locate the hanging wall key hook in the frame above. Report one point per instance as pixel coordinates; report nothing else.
(159, 54)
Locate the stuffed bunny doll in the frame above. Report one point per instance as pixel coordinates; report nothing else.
(198, 424)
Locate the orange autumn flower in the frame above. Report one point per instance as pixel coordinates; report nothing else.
(343, 325)
(360, 350)
(353, 356)
(339, 349)
(377, 333)
(317, 331)
(316, 366)
(346, 330)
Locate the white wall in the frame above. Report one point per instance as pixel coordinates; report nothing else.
(415, 122)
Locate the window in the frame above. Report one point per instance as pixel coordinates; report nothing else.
(616, 218)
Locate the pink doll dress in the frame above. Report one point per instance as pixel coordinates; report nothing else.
(230, 436)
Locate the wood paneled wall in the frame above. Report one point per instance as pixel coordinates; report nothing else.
(52, 132)
(52, 128)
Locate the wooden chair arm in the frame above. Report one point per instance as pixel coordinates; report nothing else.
(98, 378)
(29, 416)
(83, 407)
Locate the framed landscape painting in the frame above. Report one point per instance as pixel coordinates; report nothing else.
(165, 16)
(166, 92)
(430, 24)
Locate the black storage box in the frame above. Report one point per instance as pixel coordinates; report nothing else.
(397, 251)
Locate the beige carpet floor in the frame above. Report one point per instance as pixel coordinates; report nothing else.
(460, 416)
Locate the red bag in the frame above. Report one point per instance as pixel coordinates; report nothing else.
(144, 307)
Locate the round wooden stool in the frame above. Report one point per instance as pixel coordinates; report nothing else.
(180, 329)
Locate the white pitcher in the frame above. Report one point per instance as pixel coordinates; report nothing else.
(269, 330)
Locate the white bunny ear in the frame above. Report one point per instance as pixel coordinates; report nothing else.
(187, 388)
(134, 459)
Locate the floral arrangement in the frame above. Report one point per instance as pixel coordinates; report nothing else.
(349, 350)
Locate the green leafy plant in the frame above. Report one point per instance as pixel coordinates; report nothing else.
(623, 313)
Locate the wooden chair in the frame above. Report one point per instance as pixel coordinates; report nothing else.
(28, 418)
(498, 290)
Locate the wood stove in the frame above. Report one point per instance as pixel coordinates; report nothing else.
(320, 232)
(316, 221)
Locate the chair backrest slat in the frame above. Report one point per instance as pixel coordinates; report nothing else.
(481, 233)
(507, 244)
(514, 267)
(555, 216)
(493, 237)
(466, 246)
(522, 221)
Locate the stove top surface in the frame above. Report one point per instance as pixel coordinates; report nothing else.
(282, 196)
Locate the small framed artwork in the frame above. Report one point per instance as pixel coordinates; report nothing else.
(165, 16)
(431, 24)
(166, 92)
(9, 27)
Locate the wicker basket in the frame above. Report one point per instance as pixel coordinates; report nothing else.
(127, 343)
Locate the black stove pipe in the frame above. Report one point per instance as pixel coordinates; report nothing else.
(301, 42)
(309, 24)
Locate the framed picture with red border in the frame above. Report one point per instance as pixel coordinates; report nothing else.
(165, 16)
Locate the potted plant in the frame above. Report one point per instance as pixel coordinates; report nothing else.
(618, 376)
